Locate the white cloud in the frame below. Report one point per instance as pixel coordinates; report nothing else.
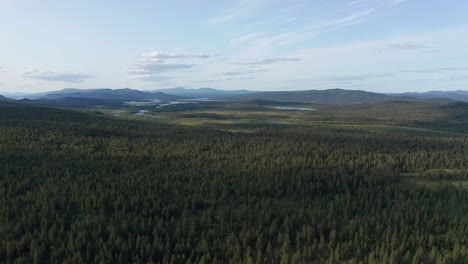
(149, 66)
(56, 76)
(155, 62)
(373, 64)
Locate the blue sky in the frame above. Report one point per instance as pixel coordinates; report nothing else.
(373, 45)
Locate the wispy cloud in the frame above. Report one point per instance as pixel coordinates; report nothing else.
(397, 2)
(435, 70)
(244, 72)
(357, 2)
(351, 78)
(239, 9)
(409, 46)
(154, 78)
(149, 66)
(346, 20)
(289, 20)
(281, 39)
(317, 28)
(310, 29)
(174, 55)
(154, 67)
(361, 79)
(270, 61)
(56, 76)
(313, 23)
(227, 79)
(243, 39)
(455, 78)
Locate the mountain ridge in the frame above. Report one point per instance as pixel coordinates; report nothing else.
(203, 92)
(124, 94)
(330, 96)
(457, 95)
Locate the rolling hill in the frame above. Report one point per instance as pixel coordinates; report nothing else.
(71, 102)
(451, 95)
(6, 99)
(332, 96)
(93, 97)
(104, 94)
(203, 92)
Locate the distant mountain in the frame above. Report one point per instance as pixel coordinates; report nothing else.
(203, 92)
(5, 101)
(73, 102)
(104, 94)
(15, 96)
(332, 96)
(459, 95)
(3, 98)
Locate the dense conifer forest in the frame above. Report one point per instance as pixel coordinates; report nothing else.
(83, 188)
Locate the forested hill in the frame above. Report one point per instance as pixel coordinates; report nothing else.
(203, 92)
(3, 98)
(450, 95)
(105, 94)
(5, 101)
(78, 188)
(332, 96)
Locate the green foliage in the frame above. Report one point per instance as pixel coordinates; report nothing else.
(79, 188)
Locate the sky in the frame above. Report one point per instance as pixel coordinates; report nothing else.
(371, 45)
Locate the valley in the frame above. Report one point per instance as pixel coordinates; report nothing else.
(228, 181)
(236, 131)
